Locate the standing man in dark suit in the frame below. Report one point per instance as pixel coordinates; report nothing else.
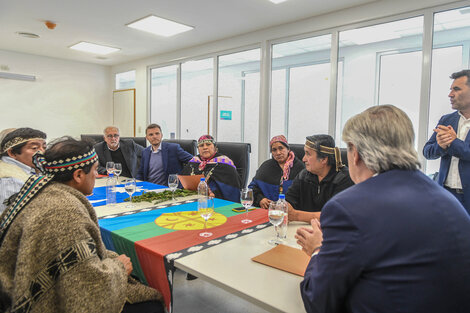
(395, 241)
(112, 149)
(161, 158)
(451, 143)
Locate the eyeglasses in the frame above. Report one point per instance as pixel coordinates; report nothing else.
(111, 136)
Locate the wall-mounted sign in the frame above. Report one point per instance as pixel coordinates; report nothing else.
(226, 115)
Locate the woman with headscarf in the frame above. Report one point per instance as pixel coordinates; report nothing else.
(275, 175)
(219, 170)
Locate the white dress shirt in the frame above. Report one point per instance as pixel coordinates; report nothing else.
(11, 185)
(453, 177)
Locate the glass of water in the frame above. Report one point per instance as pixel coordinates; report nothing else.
(130, 186)
(110, 167)
(173, 184)
(205, 207)
(246, 199)
(117, 170)
(276, 217)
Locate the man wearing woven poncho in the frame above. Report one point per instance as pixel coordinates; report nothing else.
(53, 258)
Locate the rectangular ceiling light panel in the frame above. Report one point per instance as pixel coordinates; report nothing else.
(159, 26)
(93, 48)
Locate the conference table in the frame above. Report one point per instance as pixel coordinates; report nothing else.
(162, 237)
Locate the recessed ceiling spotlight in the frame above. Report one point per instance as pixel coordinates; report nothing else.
(102, 58)
(27, 35)
(159, 26)
(277, 1)
(93, 48)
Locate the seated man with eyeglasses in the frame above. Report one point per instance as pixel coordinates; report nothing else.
(112, 149)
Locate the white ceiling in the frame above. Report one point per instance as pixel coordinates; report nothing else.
(103, 22)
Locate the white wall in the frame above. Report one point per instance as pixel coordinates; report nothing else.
(67, 98)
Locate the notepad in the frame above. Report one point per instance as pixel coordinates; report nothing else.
(285, 258)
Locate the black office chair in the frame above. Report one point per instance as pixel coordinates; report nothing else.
(298, 149)
(95, 138)
(189, 145)
(99, 138)
(239, 152)
(138, 140)
(299, 152)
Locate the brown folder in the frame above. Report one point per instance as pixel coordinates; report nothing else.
(285, 258)
(190, 182)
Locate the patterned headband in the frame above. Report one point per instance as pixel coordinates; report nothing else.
(35, 183)
(327, 150)
(17, 141)
(69, 164)
(204, 139)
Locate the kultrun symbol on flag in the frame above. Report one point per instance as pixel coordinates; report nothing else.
(189, 220)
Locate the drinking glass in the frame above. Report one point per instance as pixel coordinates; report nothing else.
(205, 207)
(117, 170)
(110, 167)
(173, 184)
(276, 217)
(129, 186)
(246, 199)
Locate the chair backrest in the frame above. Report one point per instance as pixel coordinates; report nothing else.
(189, 145)
(95, 138)
(239, 152)
(99, 138)
(298, 149)
(138, 140)
(299, 152)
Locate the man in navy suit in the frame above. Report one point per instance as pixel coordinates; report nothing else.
(395, 241)
(451, 143)
(161, 158)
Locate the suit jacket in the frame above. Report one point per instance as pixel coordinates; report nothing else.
(173, 157)
(131, 151)
(396, 242)
(458, 148)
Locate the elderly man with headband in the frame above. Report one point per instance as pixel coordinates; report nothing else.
(17, 148)
(323, 177)
(394, 242)
(53, 257)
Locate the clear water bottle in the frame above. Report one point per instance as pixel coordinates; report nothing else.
(281, 204)
(111, 189)
(202, 188)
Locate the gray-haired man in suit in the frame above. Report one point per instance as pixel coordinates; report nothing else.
(112, 149)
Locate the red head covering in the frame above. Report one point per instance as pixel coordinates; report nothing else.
(290, 157)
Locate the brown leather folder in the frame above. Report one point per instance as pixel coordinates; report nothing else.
(285, 258)
(190, 182)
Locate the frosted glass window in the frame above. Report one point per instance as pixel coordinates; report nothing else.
(164, 99)
(125, 80)
(378, 69)
(197, 84)
(238, 102)
(451, 45)
(300, 88)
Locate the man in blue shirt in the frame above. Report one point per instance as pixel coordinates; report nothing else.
(161, 158)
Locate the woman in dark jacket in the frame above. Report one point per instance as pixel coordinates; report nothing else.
(275, 175)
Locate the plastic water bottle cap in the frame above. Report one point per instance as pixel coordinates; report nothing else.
(111, 174)
(203, 179)
(282, 196)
